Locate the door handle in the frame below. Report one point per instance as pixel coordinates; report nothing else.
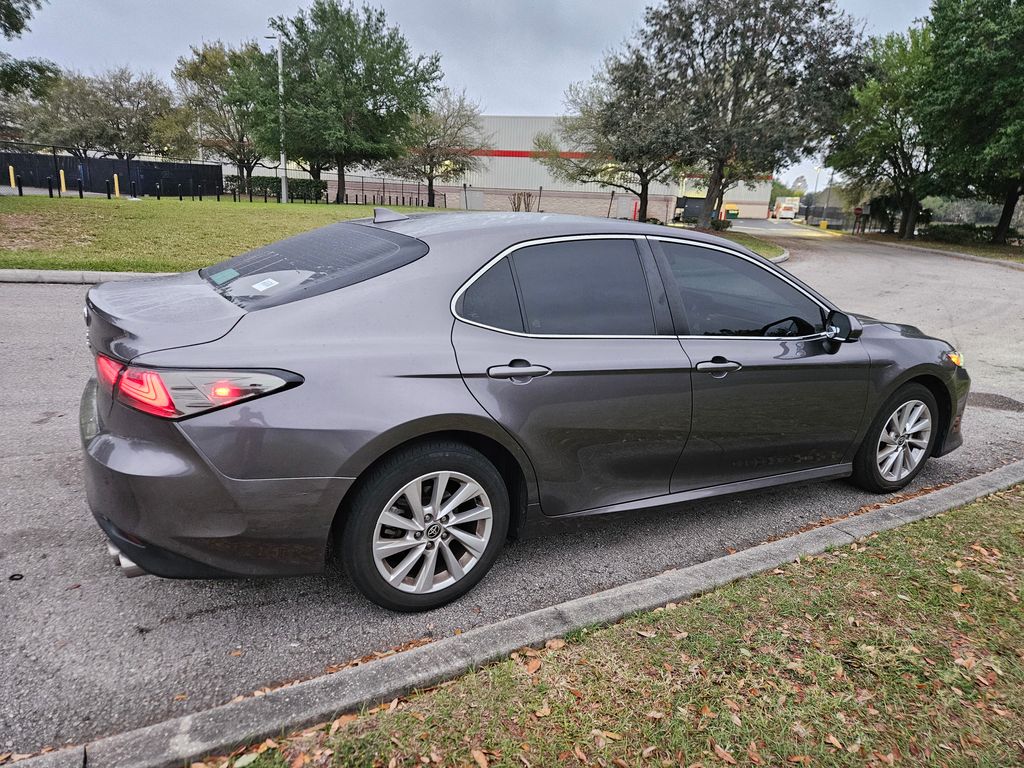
(519, 371)
(718, 366)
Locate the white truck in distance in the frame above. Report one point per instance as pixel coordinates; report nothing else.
(786, 207)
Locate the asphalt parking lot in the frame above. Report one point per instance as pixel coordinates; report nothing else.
(87, 652)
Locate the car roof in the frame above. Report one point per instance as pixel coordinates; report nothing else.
(507, 228)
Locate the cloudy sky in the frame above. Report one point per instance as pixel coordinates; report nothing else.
(515, 58)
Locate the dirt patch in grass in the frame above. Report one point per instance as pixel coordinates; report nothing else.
(37, 231)
(905, 648)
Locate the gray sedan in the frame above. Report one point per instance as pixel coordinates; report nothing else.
(405, 393)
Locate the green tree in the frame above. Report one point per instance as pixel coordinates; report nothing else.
(974, 109)
(69, 114)
(205, 80)
(21, 75)
(351, 87)
(762, 82)
(881, 146)
(136, 109)
(444, 142)
(621, 131)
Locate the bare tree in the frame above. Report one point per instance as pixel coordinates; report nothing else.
(444, 143)
(622, 131)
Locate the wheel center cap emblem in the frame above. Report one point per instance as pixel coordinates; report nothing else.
(902, 440)
(434, 530)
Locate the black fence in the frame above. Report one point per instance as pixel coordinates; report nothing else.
(42, 169)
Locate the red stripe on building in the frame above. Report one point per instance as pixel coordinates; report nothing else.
(525, 153)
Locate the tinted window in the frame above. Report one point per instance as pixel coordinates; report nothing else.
(492, 300)
(587, 287)
(726, 295)
(314, 262)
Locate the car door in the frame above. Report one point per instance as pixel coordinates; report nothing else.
(771, 395)
(568, 344)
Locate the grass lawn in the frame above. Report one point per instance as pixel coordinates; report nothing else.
(904, 649)
(759, 246)
(1007, 252)
(147, 235)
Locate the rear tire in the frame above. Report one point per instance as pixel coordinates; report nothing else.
(898, 442)
(424, 526)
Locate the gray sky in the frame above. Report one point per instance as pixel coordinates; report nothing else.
(515, 58)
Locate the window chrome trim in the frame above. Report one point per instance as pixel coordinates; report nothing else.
(620, 236)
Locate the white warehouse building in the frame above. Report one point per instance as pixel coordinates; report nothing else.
(512, 166)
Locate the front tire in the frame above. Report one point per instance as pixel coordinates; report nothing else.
(424, 526)
(898, 442)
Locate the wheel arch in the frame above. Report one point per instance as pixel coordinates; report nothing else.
(943, 398)
(501, 450)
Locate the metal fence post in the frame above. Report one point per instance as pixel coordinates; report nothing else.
(219, 188)
(158, 190)
(135, 190)
(49, 184)
(21, 190)
(81, 188)
(200, 192)
(108, 189)
(265, 194)
(180, 197)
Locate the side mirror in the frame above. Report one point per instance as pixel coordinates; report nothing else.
(839, 326)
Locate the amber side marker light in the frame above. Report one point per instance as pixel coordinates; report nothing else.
(956, 358)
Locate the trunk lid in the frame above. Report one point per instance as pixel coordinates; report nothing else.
(132, 317)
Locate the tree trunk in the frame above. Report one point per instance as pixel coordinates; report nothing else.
(430, 191)
(714, 187)
(1009, 206)
(339, 195)
(645, 186)
(909, 219)
(314, 172)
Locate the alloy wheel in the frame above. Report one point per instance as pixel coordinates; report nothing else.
(904, 440)
(432, 532)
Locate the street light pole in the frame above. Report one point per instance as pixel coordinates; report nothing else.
(280, 101)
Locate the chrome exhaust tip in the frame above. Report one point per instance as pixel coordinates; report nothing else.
(127, 566)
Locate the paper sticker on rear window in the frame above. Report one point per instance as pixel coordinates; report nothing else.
(263, 285)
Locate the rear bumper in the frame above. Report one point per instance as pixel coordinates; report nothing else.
(171, 513)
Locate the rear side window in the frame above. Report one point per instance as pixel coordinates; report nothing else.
(312, 263)
(584, 287)
(491, 300)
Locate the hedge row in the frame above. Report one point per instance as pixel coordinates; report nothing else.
(300, 189)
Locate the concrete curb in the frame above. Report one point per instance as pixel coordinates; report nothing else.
(219, 730)
(69, 277)
(952, 254)
(784, 256)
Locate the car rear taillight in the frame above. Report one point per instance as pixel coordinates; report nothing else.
(174, 393)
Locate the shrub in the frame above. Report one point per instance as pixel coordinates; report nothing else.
(654, 220)
(962, 234)
(720, 225)
(298, 189)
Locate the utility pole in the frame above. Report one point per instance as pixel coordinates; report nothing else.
(280, 102)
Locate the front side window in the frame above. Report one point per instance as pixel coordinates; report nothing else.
(726, 295)
(584, 287)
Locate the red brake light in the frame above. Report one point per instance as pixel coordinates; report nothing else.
(108, 370)
(146, 391)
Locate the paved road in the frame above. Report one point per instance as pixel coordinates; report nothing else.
(85, 652)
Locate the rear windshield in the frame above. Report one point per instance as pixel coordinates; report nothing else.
(312, 263)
